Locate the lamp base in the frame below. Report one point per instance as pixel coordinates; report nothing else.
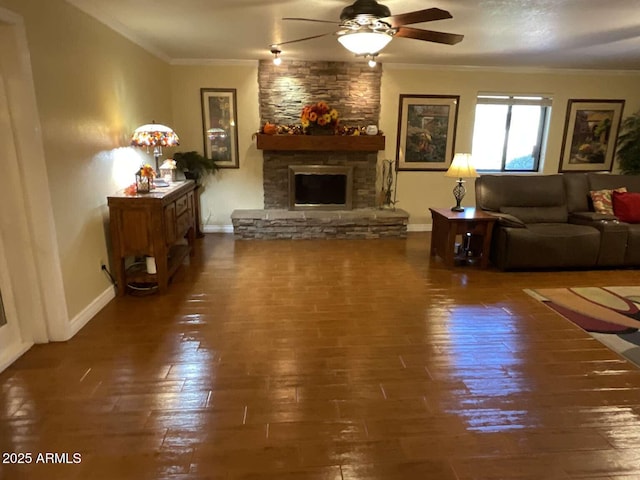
(458, 193)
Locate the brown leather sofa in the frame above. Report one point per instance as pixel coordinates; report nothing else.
(548, 221)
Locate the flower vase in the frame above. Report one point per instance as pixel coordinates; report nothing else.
(143, 184)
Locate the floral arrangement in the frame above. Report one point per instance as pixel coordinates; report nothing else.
(318, 117)
(144, 181)
(131, 189)
(147, 171)
(319, 114)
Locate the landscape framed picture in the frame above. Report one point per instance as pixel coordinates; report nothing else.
(220, 126)
(426, 131)
(590, 133)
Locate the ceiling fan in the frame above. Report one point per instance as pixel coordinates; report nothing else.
(366, 27)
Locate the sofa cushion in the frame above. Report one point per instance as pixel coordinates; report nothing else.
(577, 191)
(601, 199)
(556, 214)
(495, 191)
(626, 206)
(632, 254)
(545, 245)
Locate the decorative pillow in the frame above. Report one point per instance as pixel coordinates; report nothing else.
(626, 206)
(556, 214)
(602, 200)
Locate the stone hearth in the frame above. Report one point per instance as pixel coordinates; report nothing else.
(367, 223)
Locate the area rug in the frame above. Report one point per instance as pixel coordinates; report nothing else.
(610, 314)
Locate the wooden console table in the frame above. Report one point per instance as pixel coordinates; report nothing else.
(151, 225)
(448, 224)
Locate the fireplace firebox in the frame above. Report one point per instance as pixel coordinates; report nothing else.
(320, 187)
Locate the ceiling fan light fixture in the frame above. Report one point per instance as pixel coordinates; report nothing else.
(276, 56)
(364, 7)
(363, 43)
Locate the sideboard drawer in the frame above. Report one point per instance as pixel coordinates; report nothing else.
(183, 223)
(182, 204)
(170, 233)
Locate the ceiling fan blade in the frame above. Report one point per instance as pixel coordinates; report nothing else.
(419, 16)
(429, 35)
(310, 20)
(302, 39)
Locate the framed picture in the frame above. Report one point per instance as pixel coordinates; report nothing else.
(220, 126)
(426, 131)
(590, 134)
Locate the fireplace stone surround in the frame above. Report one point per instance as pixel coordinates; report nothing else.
(320, 187)
(276, 174)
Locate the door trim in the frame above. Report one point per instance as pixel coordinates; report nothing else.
(45, 316)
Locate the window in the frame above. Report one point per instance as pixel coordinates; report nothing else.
(509, 132)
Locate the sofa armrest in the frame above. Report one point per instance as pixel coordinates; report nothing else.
(613, 235)
(586, 218)
(508, 220)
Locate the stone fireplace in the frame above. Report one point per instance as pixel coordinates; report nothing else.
(319, 164)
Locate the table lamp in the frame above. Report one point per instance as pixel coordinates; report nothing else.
(154, 135)
(460, 168)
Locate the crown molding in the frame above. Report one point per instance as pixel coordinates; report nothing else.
(507, 69)
(213, 62)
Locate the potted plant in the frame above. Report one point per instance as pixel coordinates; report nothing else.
(629, 145)
(194, 165)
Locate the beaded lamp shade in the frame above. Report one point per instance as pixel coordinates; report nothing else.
(154, 135)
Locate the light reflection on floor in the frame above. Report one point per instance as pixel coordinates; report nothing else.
(488, 404)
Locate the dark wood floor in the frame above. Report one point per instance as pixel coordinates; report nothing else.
(329, 360)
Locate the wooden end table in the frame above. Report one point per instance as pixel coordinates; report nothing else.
(447, 224)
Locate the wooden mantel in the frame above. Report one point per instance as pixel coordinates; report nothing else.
(323, 143)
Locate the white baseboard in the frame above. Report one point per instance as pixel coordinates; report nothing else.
(217, 228)
(90, 311)
(419, 227)
(10, 356)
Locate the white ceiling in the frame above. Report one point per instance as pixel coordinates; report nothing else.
(580, 34)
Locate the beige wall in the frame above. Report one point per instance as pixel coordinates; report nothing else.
(417, 191)
(93, 87)
(228, 189)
